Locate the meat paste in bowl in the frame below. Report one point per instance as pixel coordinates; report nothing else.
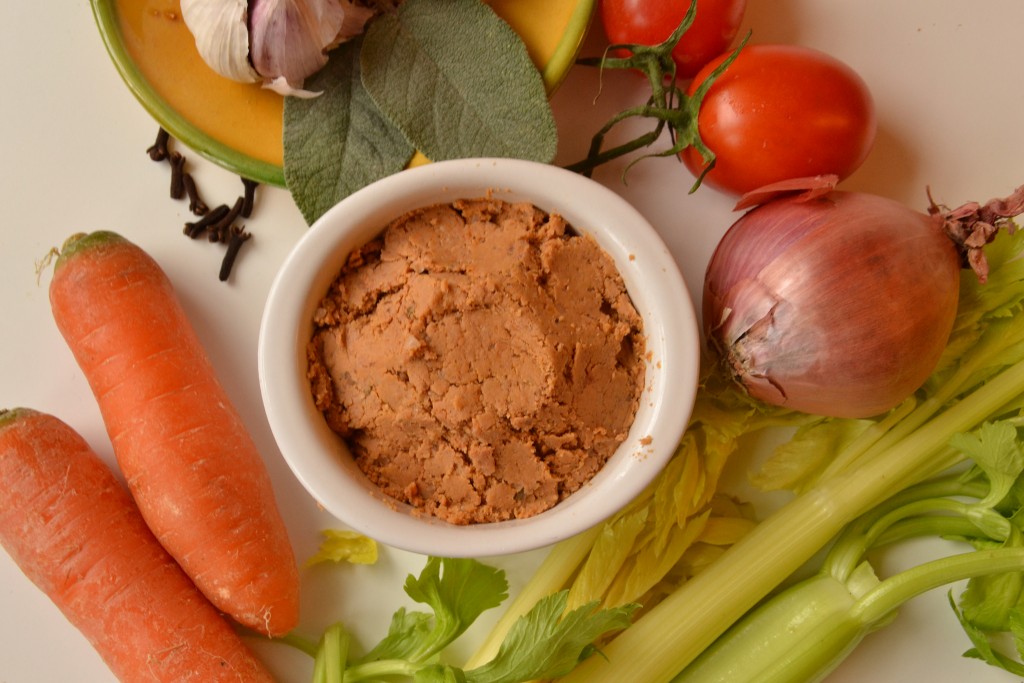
(481, 359)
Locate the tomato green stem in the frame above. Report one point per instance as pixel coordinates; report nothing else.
(668, 105)
(596, 158)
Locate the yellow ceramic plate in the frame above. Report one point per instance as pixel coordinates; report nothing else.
(238, 126)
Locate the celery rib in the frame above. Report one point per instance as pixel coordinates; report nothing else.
(876, 528)
(894, 591)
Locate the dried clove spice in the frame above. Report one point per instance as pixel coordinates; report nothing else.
(177, 175)
(217, 223)
(159, 151)
(196, 228)
(195, 203)
(220, 230)
(249, 196)
(238, 237)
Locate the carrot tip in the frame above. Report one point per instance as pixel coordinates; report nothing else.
(82, 240)
(71, 241)
(9, 415)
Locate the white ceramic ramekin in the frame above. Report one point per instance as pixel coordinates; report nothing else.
(320, 459)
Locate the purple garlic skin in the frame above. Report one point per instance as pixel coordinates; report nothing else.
(278, 42)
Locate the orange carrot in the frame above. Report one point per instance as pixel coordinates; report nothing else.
(185, 453)
(74, 531)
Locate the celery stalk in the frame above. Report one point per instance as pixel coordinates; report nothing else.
(664, 640)
(796, 636)
(336, 642)
(803, 633)
(671, 635)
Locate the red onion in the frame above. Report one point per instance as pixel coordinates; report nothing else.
(841, 303)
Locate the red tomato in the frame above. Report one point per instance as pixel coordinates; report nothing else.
(780, 112)
(650, 22)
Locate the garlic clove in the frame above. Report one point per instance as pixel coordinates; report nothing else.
(221, 31)
(290, 38)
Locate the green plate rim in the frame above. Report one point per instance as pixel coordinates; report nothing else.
(180, 128)
(174, 123)
(557, 68)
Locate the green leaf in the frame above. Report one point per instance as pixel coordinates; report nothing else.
(610, 552)
(988, 600)
(801, 459)
(459, 591)
(404, 639)
(458, 81)
(994, 448)
(341, 545)
(548, 643)
(983, 648)
(338, 142)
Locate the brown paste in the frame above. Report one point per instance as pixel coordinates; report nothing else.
(481, 360)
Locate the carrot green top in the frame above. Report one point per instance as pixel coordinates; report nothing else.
(9, 415)
(81, 241)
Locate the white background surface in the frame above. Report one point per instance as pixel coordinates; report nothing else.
(946, 79)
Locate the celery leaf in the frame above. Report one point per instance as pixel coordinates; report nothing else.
(338, 142)
(547, 642)
(983, 649)
(611, 550)
(458, 595)
(406, 633)
(980, 307)
(340, 545)
(990, 601)
(995, 449)
(458, 81)
(798, 462)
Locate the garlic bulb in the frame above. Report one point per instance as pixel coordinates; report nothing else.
(221, 30)
(279, 42)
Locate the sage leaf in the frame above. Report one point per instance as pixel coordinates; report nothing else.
(458, 81)
(337, 142)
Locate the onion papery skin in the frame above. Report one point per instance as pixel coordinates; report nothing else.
(838, 306)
